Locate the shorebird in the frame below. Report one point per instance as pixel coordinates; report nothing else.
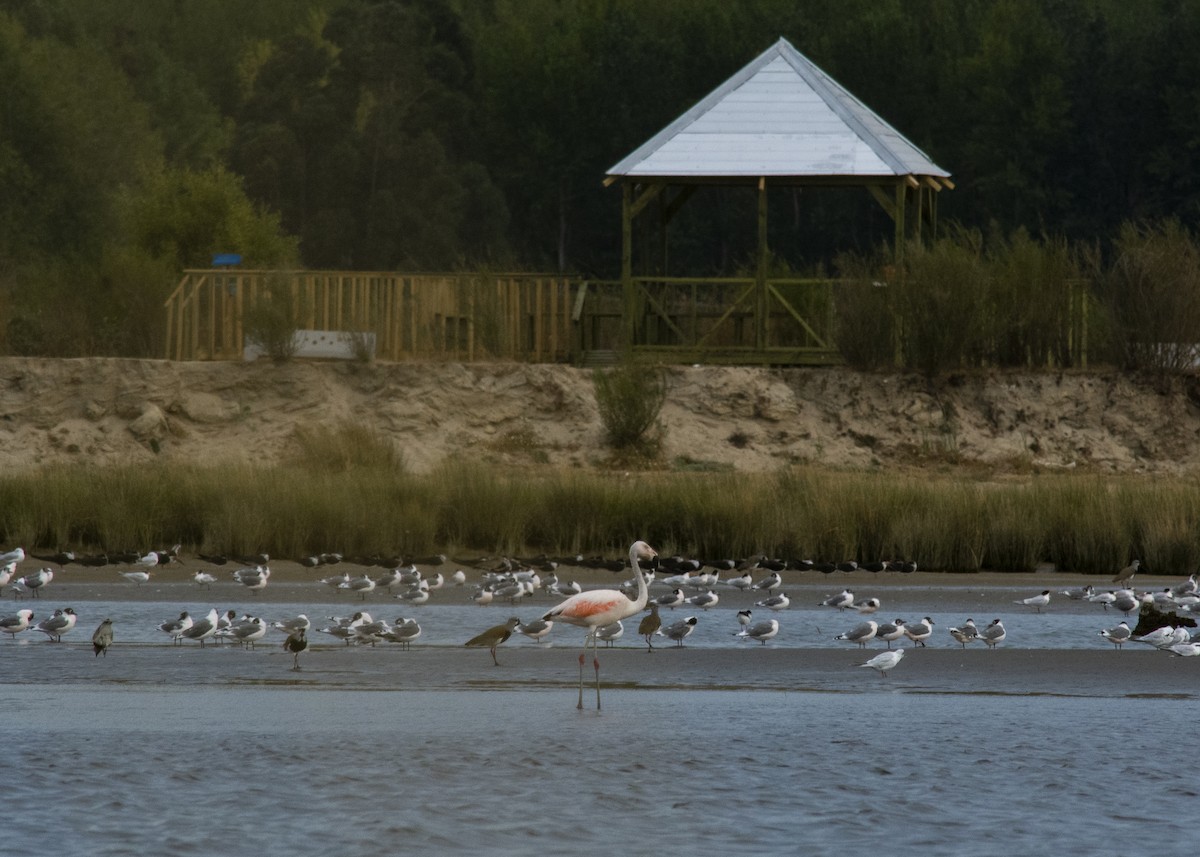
(414, 595)
(62, 622)
(494, 636)
(102, 638)
(884, 661)
(1080, 594)
(1125, 601)
(649, 626)
(202, 629)
(993, 634)
(1118, 636)
(255, 579)
(249, 633)
(598, 607)
(15, 624)
(296, 643)
(775, 602)
(37, 580)
(404, 631)
(1039, 601)
(968, 633)
(841, 601)
(672, 599)
(1126, 574)
(890, 631)
(1160, 638)
(536, 630)
(138, 577)
(860, 634)
(610, 633)
(174, 628)
(771, 582)
(744, 582)
(761, 631)
(7, 570)
(919, 632)
(677, 631)
(363, 585)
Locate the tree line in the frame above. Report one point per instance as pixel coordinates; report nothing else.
(137, 140)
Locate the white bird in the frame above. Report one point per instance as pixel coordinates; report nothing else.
(968, 633)
(15, 624)
(598, 607)
(993, 634)
(290, 626)
(459, 577)
(15, 556)
(743, 617)
(36, 580)
(248, 633)
(761, 631)
(536, 630)
(336, 581)
(771, 582)
(255, 579)
(62, 622)
(202, 629)
(203, 578)
(363, 585)
(841, 601)
(704, 600)
(1185, 650)
(860, 634)
(484, 596)
(1039, 601)
(404, 631)
(7, 570)
(867, 605)
(672, 599)
(437, 581)
(414, 595)
(1160, 638)
(610, 633)
(1081, 593)
(919, 632)
(746, 581)
(677, 631)
(150, 560)
(138, 577)
(1118, 636)
(884, 661)
(566, 589)
(174, 628)
(775, 602)
(1101, 598)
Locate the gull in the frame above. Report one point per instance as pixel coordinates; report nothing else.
(494, 636)
(677, 579)
(336, 581)
(704, 600)
(890, 631)
(610, 633)
(16, 556)
(150, 560)
(248, 633)
(841, 601)
(204, 628)
(459, 577)
(861, 634)
(15, 624)
(1101, 598)
(414, 595)
(743, 617)
(1165, 600)
(371, 632)
(484, 596)
(138, 577)
(566, 590)
(649, 626)
(746, 581)
(1125, 601)
(678, 630)
(1188, 587)
(404, 631)
(537, 629)
(761, 631)
(1038, 601)
(1118, 636)
(7, 570)
(255, 579)
(362, 585)
(672, 599)
(37, 580)
(291, 626)
(437, 581)
(775, 602)
(204, 579)
(1185, 650)
(102, 638)
(884, 661)
(1080, 594)
(968, 633)
(919, 632)
(62, 622)
(1159, 638)
(770, 582)
(174, 628)
(868, 605)
(389, 579)
(296, 643)
(344, 627)
(224, 623)
(1126, 574)
(993, 634)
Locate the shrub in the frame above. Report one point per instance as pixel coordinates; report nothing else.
(270, 320)
(630, 398)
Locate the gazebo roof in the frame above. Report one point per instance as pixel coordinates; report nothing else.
(779, 116)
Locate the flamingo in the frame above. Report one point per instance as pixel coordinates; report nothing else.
(598, 607)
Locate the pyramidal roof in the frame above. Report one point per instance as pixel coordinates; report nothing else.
(779, 116)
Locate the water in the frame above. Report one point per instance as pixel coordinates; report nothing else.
(174, 770)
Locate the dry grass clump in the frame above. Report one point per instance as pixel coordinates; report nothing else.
(345, 447)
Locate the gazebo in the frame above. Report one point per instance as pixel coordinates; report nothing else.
(778, 122)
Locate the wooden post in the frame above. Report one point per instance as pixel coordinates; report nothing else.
(760, 296)
(901, 233)
(628, 322)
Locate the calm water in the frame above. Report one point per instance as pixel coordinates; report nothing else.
(103, 771)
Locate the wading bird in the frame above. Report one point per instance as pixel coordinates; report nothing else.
(494, 636)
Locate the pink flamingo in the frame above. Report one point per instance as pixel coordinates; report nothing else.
(598, 607)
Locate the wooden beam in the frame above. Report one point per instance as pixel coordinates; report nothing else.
(645, 198)
(888, 205)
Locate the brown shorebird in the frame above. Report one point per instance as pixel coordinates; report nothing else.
(649, 626)
(103, 638)
(493, 637)
(1126, 574)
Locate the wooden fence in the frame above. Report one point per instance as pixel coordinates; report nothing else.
(413, 316)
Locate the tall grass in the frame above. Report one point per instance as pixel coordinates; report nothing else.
(1083, 523)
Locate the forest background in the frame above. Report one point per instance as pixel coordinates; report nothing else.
(137, 140)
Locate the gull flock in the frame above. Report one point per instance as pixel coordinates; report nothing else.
(694, 586)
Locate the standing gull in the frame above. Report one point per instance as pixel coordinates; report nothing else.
(62, 622)
(919, 632)
(761, 631)
(860, 634)
(15, 624)
(968, 633)
(884, 661)
(1039, 601)
(677, 631)
(1118, 636)
(536, 630)
(993, 634)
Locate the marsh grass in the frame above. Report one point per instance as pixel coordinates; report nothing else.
(1085, 523)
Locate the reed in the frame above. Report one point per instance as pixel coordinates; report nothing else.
(1079, 522)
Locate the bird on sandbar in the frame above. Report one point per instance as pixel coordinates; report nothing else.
(103, 637)
(536, 630)
(884, 661)
(761, 631)
(993, 634)
(1119, 635)
(598, 607)
(296, 643)
(610, 633)
(672, 599)
(204, 579)
(1126, 574)
(174, 628)
(649, 625)
(62, 622)
(202, 629)
(1039, 601)
(36, 580)
(861, 634)
(779, 601)
(494, 636)
(404, 631)
(919, 632)
(968, 633)
(677, 631)
(890, 631)
(841, 601)
(15, 624)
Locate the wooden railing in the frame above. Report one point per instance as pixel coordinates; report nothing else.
(413, 316)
